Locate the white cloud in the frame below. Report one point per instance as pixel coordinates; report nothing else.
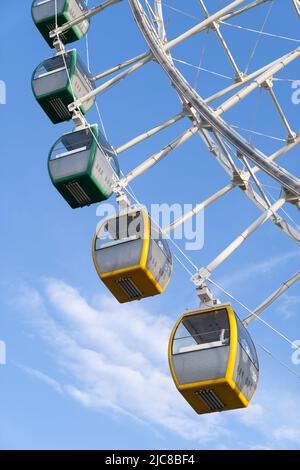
(288, 306)
(275, 419)
(255, 415)
(288, 433)
(262, 267)
(116, 358)
(42, 377)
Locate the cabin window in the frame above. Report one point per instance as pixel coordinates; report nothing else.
(246, 343)
(204, 331)
(52, 65)
(109, 153)
(121, 229)
(75, 142)
(157, 236)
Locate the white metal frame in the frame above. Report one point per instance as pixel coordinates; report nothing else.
(207, 122)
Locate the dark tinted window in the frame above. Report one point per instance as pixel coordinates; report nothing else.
(157, 236)
(203, 331)
(80, 141)
(246, 342)
(121, 228)
(109, 153)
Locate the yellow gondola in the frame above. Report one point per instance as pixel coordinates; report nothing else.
(213, 360)
(131, 257)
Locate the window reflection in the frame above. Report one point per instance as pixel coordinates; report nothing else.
(203, 331)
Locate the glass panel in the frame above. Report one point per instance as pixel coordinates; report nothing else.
(247, 343)
(109, 153)
(113, 161)
(72, 143)
(203, 331)
(37, 3)
(84, 70)
(44, 9)
(157, 236)
(81, 4)
(59, 5)
(120, 229)
(52, 65)
(119, 255)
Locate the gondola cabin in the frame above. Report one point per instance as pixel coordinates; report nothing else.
(46, 12)
(131, 256)
(59, 81)
(83, 167)
(213, 360)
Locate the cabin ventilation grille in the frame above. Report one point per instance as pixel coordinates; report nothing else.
(60, 109)
(210, 399)
(129, 288)
(78, 193)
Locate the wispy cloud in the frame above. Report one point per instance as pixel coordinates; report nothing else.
(54, 384)
(288, 433)
(275, 420)
(262, 267)
(288, 306)
(116, 358)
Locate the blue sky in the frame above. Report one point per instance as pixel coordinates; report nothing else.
(83, 371)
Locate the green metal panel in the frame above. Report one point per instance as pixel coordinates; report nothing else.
(93, 190)
(48, 24)
(85, 180)
(71, 72)
(64, 94)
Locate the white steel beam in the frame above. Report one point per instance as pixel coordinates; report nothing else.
(203, 25)
(245, 79)
(274, 296)
(150, 133)
(155, 158)
(186, 92)
(199, 207)
(296, 4)
(76, 104)
(204, 273)
(216, 28)
(85, 16)
(256, 181)
(259, 81)
(239, 11)
(283, 150)
(120, 66)
(291, 134)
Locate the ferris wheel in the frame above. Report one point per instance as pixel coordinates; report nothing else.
(212, 357)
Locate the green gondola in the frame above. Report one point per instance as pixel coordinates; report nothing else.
(60, 80)
(44, 16)
(83, 167)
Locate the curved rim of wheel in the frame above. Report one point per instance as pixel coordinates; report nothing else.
(203, 111)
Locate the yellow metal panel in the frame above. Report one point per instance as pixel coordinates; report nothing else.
(146, 240)
(140, 275)
(233, 342)
(225, 388)
(187, 314)
(141, 278)
(238, 392)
